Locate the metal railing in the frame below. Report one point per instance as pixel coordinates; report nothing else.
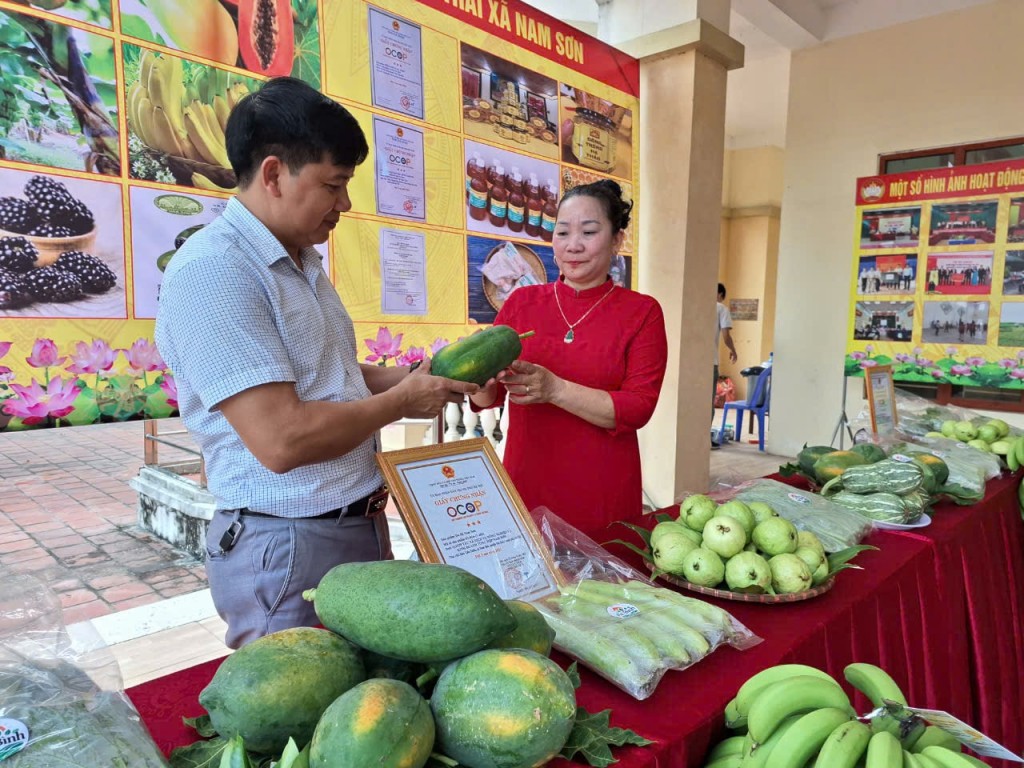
(153, 439)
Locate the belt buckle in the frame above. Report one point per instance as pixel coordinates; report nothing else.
(376, 502)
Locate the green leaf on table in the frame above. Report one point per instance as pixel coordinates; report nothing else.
(663, 517)
(292, 757)
(632, 547)
(837, 561)
(201, 754)
(592, 737)
(202, 725)
(639, 530)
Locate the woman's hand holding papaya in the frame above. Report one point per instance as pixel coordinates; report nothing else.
(529, 383)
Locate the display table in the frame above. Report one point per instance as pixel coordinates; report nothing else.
(941, 608)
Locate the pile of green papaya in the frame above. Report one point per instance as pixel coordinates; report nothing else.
(414, 661)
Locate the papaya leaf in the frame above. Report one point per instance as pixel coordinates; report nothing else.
(643, 553)
(202, 725)
(837, 560)
(592, 737)
(640, 531)
(788, 470)
(201, 754)
(574, 675)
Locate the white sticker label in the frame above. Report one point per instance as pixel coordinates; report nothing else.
(965, 734)
(623, 611)
(13, 737)
(799, 498)
(901, 457)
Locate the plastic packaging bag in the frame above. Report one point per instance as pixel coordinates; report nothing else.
(836, 526)
(918, 416)
(618, 622)
(60, 696)
(968, 468)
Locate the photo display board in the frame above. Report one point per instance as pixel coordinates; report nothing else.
(938, 276)
(479, 116)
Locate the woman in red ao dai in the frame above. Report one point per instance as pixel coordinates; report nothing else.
(590, 376)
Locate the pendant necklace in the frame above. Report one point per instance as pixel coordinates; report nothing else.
(570, 336)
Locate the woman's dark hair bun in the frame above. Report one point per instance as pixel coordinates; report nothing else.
(609, 193)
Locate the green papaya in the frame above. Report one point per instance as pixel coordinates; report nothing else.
(531, 633)
(833, 464)
(871, 452)
(409, 610)
(480, 357)
(279, 685)
(811, 454)
(383, 723)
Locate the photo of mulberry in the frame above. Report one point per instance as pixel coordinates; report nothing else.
(61, 247)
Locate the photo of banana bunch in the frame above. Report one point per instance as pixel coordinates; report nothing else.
(177, 112)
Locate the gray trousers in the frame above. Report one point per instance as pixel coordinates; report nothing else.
(257, 586)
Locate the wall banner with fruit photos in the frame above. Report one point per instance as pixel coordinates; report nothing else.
(112, 112)
(938, 276)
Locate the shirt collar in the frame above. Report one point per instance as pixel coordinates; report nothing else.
(260, 238)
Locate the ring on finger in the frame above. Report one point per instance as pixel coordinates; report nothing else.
(527, 389)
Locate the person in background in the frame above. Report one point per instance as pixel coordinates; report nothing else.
(588, 379)
(269, 383)
(723, 331)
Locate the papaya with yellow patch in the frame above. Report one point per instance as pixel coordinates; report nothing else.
(380, 722)
(279, 685)
(832, 465)
(503, 708)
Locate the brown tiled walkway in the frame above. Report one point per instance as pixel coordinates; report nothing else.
(67, 515)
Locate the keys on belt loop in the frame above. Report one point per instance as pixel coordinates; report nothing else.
(233, 533)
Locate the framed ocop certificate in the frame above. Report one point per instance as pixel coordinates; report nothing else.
(461, 509)
(881, 393)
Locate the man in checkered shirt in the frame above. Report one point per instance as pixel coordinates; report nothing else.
(269, 383)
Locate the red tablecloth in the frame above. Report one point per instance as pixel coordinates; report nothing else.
(942, 609)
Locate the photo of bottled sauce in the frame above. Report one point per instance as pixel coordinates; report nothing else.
(498, 199)
(474, 169)
(516, 202)
(549, 212)
(534, 206)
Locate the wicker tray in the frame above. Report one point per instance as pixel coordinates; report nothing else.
(743, 597)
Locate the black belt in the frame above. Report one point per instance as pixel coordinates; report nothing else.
(370, 504)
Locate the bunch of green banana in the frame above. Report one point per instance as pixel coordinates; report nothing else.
(1012, 451)
(172, 119)
(793, 715)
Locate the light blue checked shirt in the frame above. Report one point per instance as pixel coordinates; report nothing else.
(235, 312)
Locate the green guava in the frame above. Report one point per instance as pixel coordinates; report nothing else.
(811, 556)
(789, 574)
(965, 431)
(724, 535)
(703, 567)
(740, 511)
(748, 572)
(775, 536)
(696, 510)
(948, 428)
(808, 539)
(671, 550)
(761, 511)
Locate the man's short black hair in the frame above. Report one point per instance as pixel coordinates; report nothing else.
(291, 120)
(721, 290)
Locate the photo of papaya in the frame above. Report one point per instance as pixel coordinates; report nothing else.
(267, 37)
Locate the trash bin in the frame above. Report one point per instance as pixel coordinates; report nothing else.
(751, 374)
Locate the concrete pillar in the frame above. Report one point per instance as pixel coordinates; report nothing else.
(682, 146)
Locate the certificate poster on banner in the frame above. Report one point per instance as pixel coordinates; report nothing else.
(401, 184)
(881, 399)
(403, 268)
(396, 60)
(461, 509)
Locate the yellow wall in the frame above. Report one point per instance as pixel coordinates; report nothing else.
(748, 258)
(947, 79)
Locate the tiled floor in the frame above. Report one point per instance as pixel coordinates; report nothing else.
(67, 515)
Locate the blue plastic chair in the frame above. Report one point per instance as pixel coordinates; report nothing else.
(757, 403)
